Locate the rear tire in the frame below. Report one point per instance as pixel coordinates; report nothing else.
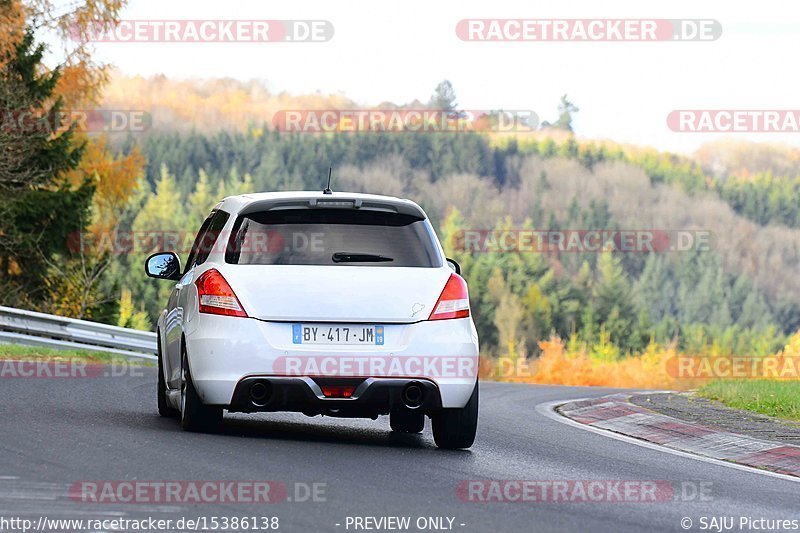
(407, 421)
(164, 408)
(455, 429)
(195, 415)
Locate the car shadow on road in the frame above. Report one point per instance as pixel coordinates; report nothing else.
(321, 430)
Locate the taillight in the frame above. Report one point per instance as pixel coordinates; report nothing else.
(216, 296)
(454, 301)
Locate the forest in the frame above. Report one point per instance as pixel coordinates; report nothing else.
(741, 296)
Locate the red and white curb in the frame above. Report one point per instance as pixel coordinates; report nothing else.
(616, 413)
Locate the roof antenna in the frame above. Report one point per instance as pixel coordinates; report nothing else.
(328, 188)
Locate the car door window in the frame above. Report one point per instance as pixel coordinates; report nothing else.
(210, 237)
(197, 240)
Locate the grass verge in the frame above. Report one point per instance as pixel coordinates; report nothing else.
(774, 398)
(35, 353)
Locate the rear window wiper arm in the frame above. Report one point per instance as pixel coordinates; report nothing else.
(357, 257)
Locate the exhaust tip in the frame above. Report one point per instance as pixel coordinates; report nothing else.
(413, 395)
(260, 393)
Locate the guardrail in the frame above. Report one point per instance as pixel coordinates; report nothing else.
(30, 328)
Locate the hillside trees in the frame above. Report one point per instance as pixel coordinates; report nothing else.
(614, 302)
(41, 208)
(60, 180)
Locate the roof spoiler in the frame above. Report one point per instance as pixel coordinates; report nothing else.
(403, 207)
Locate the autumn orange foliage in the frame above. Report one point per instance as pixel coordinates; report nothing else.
(645, 370)
(208, 105)
(114, 177)
(655, 368)
(560, 365)
(12, 20)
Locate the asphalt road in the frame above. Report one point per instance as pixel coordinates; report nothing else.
(56, 432)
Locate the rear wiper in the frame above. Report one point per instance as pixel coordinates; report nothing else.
(356, 257)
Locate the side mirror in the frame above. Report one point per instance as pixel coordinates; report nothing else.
(454, 266)
(164, 265)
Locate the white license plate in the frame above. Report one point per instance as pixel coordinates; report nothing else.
(343, 334)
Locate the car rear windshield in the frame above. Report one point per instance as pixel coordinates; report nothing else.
(330, 236)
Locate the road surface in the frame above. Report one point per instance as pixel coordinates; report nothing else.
(59, 432)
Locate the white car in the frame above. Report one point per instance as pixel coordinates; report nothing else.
(336, 304)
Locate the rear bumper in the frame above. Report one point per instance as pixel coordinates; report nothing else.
(224, 352)
(372, 397)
